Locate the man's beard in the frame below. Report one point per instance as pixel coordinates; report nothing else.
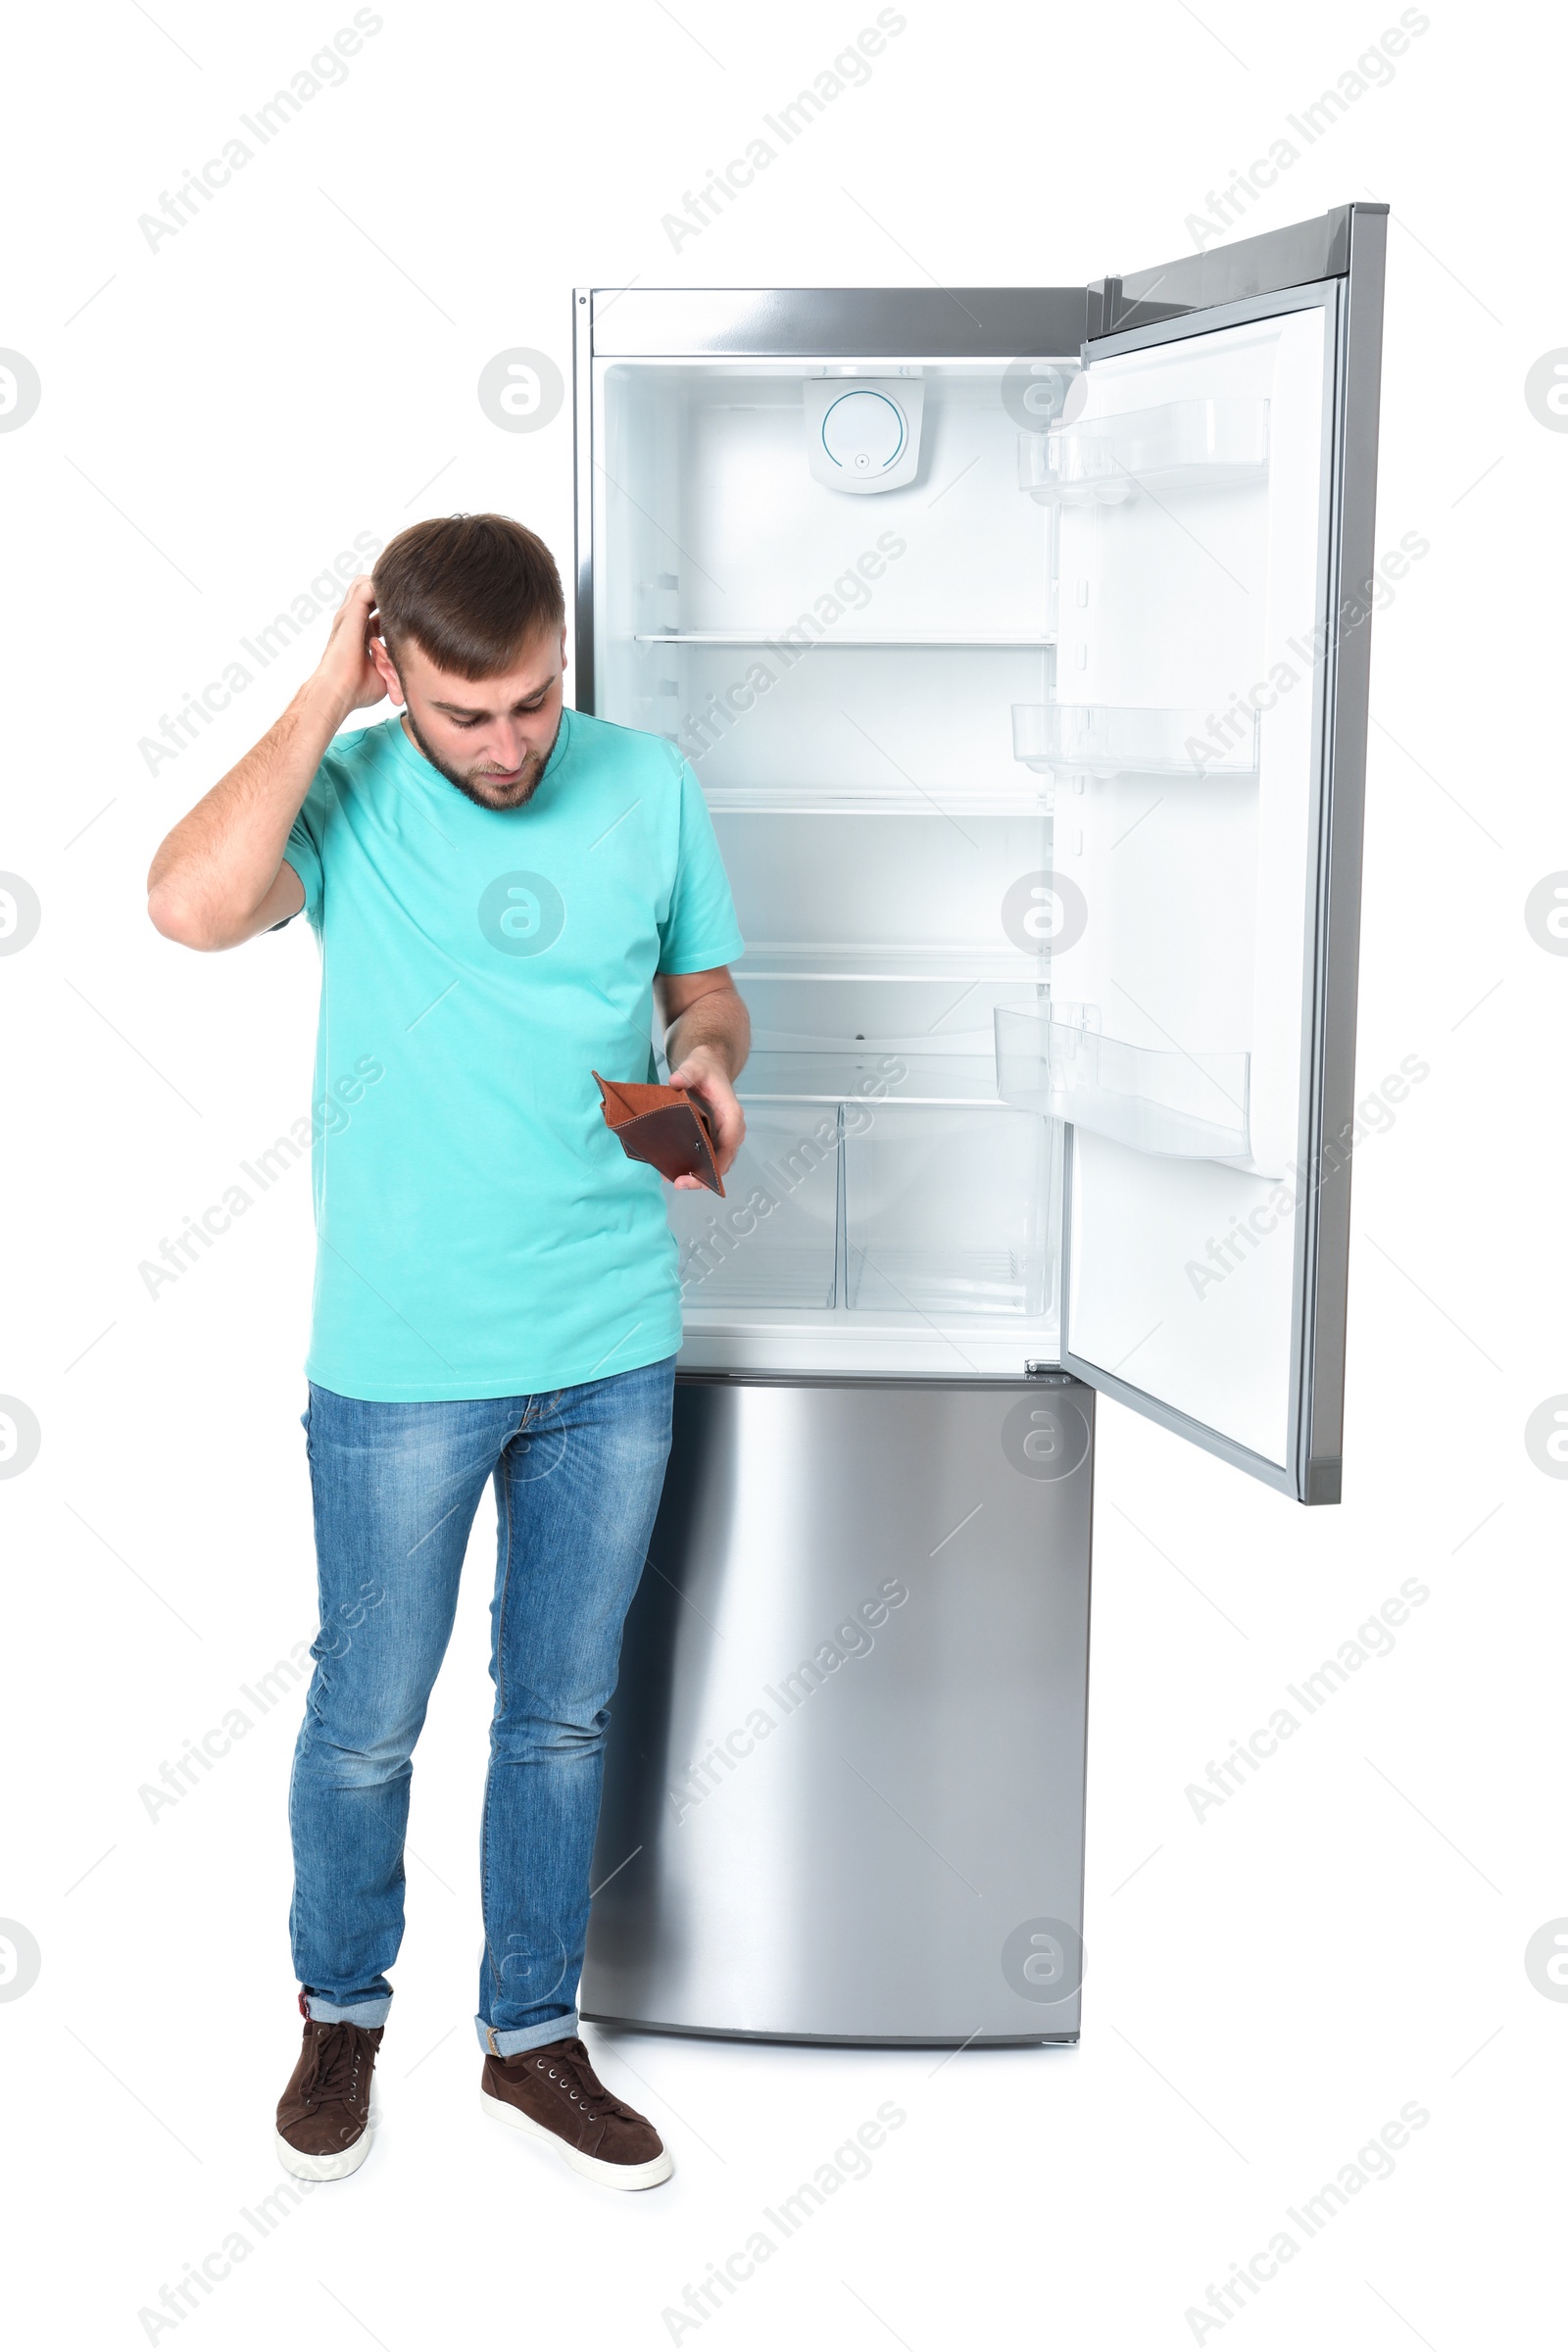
(519, 795)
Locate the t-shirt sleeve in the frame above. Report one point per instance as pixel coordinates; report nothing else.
(698, 931)
(303, 849)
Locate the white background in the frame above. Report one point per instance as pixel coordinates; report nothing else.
(1345, 1933)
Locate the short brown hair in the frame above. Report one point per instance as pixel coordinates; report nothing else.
(469, 590)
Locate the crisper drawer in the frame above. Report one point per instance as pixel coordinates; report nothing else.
(868, 1206)
(946, 1212)
(773, 1239)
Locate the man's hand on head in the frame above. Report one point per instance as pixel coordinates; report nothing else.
(347, 671)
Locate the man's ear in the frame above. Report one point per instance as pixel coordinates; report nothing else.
(386, 670)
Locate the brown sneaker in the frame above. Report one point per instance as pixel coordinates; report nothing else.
(323, 2114)
(555, 2094)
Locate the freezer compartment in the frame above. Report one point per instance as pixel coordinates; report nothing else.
(1098, 739)
(844, 1783)
(1173, 1104)
(1181, 445)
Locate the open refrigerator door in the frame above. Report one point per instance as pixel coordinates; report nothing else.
(1214, 475)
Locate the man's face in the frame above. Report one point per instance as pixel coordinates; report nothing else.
(490, 737)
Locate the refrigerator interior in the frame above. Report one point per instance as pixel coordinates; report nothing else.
(1010, 846)
(840, 670)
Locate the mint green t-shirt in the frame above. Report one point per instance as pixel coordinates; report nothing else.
(479, 1231)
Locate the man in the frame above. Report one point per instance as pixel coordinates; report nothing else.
(503, 890)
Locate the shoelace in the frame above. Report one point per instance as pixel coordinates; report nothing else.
(334, 2065)
(573, 2070)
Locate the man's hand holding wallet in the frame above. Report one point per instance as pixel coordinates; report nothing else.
(689, 1130)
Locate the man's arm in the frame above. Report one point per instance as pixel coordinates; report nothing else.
(219, 876)
(707, 1041)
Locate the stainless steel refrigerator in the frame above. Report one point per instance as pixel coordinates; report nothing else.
(1019, 640)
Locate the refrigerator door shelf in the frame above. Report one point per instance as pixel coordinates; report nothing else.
(1182, 445)
(1172, 1105)
(1100, 739)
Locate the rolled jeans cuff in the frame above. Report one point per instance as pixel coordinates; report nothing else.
(357, 2013)
(506, 2041)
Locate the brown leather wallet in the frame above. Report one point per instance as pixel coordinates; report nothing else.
(662, 1125)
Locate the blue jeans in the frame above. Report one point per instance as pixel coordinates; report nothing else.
(577, 1479)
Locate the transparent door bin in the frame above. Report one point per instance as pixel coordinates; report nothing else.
(946, 1215)
(1185, 444)
(1107, 739)
(773, 1241)
(1171, 1105)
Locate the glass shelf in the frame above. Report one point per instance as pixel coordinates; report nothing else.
(951, 803)
(1183, 445)
(833, 1034)
(1029, 638)
(889, 962)
(1107, 739)
(879, 1072)
(1171, 1105)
